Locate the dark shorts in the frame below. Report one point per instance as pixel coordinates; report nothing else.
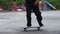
(30, 1)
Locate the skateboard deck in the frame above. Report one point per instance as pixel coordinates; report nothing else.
(38, 28)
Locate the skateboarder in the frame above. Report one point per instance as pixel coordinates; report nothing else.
(33, 5)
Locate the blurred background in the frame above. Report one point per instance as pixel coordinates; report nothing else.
(19, 5)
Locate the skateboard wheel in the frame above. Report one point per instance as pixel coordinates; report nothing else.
(24, 29)
(38, 28)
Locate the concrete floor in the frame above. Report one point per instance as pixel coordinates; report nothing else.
(13, 23)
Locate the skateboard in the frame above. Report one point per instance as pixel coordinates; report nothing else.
(38, 28)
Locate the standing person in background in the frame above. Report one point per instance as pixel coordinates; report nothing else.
(33, 5)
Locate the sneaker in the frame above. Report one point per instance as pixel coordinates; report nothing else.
(28, 26)
(41, 25)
